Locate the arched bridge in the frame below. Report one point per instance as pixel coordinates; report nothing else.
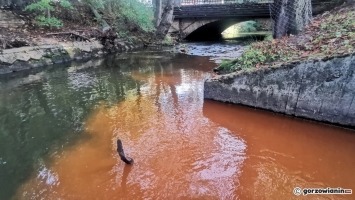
(207, 19)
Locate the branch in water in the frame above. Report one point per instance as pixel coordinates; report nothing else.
(120, 151)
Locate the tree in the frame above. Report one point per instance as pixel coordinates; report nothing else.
(118, 14)
(94, 5)
(45, 7)
(290, 16)
(166, 19)
(157, 4)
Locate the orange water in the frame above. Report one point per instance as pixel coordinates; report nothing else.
(188, 148)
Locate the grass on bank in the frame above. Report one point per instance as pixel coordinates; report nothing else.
(330, 34)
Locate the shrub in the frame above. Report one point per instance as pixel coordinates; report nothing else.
(44, 8)
(251, 58)
(168, 40)
(138, 13)
(248, 26)
(49, 21)
(123, 12)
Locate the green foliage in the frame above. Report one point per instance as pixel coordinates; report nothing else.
(66, 4)
(249, 59)
(248, 26)
(44, 7)
(126, 12)
(227, 65)
(241, 29)
(138, 13)
(98, 4)
(168, 40)
(48, 21)
(269, 37)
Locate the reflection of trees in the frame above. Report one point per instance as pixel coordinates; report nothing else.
(48, 114)
(162, 77)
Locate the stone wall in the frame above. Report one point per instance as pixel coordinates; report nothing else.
(322, 90)
(18, 59)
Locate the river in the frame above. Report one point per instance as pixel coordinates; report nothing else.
(59, 128)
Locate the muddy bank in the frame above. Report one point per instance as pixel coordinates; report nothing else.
(322, 90)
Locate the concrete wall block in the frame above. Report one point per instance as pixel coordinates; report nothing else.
(320, 90)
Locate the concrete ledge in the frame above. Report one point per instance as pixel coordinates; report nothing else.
(322, 90)
(18, 59)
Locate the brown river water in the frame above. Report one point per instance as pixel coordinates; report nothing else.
(185, 147)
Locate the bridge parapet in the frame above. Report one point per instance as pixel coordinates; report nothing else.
(250, 10)
(214, 2)
(211, 9)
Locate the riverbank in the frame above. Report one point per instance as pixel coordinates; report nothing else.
(310, 75)
(24, 44)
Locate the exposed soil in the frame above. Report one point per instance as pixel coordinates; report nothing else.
(79, 25)
(75, 21)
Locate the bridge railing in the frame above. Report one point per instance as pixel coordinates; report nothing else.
(214, 2)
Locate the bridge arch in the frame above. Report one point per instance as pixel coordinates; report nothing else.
(206, 29)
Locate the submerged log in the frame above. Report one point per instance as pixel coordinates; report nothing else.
(120, 151)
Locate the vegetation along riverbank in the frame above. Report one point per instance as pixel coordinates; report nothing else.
(45, 32)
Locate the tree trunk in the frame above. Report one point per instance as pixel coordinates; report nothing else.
(302, 15)
(48, 13)
(278, 15)
(157, 12)
(166, 19)
(290, 16)
(104, 24)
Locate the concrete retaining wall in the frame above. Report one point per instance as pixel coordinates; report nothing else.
(18, 59)
(322, 90)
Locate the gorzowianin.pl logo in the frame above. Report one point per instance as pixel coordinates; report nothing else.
(307, 191)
